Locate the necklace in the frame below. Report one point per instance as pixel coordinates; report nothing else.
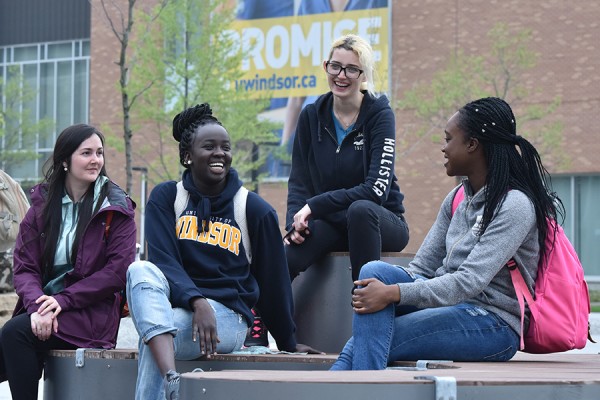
(342, 122)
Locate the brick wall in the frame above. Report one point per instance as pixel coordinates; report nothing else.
(565, 36)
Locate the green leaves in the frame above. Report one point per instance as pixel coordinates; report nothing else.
(17, 131)
(187, 59)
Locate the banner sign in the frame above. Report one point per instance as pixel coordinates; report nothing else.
(286, 54)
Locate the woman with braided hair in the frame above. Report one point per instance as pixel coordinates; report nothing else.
(455, 300)
(194, 295)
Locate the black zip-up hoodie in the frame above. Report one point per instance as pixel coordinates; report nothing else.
(330, 176)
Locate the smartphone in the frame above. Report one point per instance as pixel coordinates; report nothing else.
(289, 234)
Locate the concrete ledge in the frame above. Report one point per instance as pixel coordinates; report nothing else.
(112, 374)
(322, 296)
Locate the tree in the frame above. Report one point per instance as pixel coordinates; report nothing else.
(192, 60)
(121, 24)
(498, 73)
(18, 127)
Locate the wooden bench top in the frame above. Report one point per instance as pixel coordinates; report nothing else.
(384, 254)
(522, 369)
(132, 354)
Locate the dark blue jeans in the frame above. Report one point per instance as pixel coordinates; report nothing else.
(461, 332)
(370, 229)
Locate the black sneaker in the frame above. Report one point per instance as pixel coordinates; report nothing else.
(171, 385)
(258, 334)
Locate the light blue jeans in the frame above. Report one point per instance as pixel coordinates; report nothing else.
(152, 314)
(462, 332)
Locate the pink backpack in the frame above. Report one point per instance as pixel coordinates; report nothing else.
(560, 312)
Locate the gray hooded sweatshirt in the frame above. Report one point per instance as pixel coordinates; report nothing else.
(464, 266)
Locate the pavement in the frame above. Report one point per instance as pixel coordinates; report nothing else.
(128, 339)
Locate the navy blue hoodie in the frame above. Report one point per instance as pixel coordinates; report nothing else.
(329, 176)
(212, 262)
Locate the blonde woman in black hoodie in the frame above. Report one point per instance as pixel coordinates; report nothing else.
(342, 192)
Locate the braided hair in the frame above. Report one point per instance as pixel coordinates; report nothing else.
(491, 121)
(185, 125)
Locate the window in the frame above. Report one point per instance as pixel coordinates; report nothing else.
(56, 75)
(579, 194)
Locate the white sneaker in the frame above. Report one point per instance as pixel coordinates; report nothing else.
(171, 385)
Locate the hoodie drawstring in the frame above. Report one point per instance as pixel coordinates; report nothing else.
(203, 213)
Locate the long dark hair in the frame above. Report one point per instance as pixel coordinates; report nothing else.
(67, 143)
(185, 124)
(491, 121)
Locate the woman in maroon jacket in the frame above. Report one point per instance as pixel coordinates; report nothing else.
(70, 261)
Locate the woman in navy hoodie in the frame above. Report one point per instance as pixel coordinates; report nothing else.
(70, 260)
(342, 191)
(195, 294)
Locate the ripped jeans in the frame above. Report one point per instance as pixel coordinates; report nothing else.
(462, 332)
(152, 314)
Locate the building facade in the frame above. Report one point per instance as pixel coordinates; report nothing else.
(48, 45)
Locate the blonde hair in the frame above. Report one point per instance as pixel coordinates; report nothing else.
(363, 50)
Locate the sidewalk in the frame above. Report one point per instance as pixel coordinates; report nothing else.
(127, 339)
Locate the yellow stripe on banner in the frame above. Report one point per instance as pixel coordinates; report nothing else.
(286, 54)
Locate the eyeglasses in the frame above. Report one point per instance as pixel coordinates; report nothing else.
(335, 69)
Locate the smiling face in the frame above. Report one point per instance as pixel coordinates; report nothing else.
(456, 149)
(341, 85)
(86, 162)
(210, 157)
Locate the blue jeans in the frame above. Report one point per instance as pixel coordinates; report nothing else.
(152, 314)
(462, 332)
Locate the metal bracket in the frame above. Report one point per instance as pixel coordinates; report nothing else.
(422, 365)
(79, 358)
(445, 386)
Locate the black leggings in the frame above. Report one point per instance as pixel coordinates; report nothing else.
(22, 356)
(370, 230)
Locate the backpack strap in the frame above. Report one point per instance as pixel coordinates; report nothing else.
(458, 197)
(181, 200)
(239, 212)
(122, 297)
(523, 295)
(109, 217)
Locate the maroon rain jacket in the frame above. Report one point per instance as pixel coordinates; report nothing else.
(91, 299)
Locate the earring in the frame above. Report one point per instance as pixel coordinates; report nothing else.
(65, 168)
(189, 162)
